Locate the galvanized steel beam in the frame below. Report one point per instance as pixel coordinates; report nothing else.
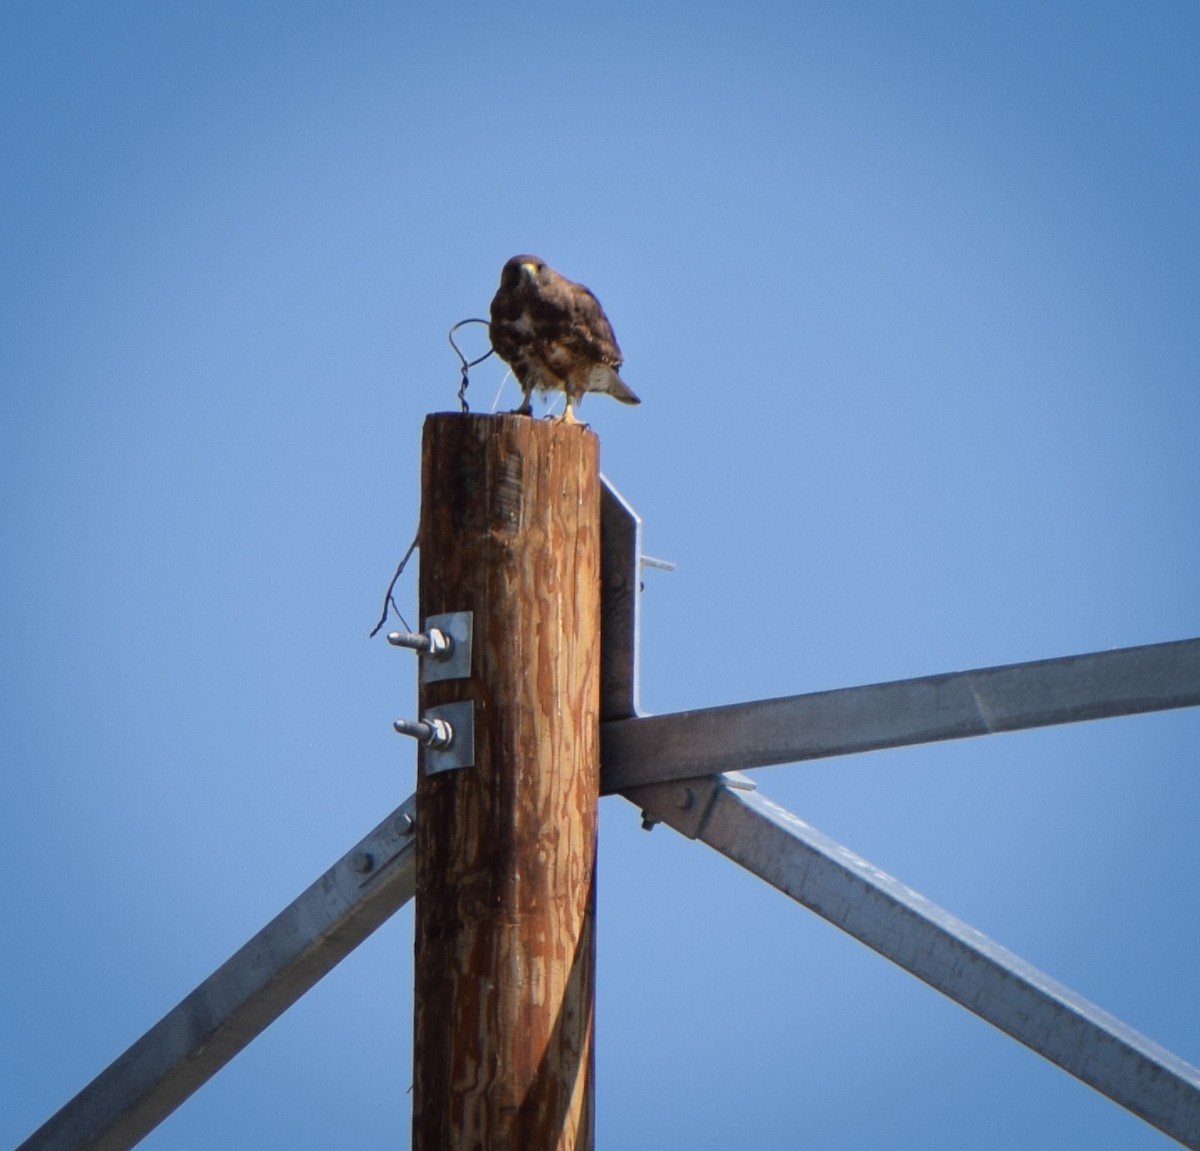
(936, 947)
(620, 603)
(1125, 681)
(247, 993)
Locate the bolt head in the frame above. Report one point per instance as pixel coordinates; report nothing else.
(362, 862)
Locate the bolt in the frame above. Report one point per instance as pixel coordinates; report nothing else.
(362, 862)
(684, 798)
(435, 733)
(410, 639)
(405, 824)
(648, 821)
(437, 644)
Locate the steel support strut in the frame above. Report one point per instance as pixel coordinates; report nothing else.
(243, 997)
(1125, 681)
(933, 945)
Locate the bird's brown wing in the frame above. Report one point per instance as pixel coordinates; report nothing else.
(589, 332)
(506, 311)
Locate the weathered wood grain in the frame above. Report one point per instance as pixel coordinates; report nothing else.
(505, 895)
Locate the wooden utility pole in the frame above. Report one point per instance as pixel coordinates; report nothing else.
(506, 848)
(505, 809)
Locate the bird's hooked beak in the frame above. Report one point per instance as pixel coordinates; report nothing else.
(530, 269)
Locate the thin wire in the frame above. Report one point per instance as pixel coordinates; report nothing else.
(466, 364)
(389, 602)
(500, 390)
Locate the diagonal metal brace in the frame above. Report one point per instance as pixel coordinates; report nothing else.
(933, 945)
(247, 993)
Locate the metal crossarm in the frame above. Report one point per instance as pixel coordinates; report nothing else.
(1125, 681)
(640, 757)
(243, 997)
(933, 945)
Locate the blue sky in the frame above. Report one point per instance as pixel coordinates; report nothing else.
(910, 294)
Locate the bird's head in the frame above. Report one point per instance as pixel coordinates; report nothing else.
(522, 269)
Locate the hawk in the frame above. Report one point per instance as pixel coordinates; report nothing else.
(554, 335)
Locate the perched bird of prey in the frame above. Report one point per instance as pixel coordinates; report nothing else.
(554, 335)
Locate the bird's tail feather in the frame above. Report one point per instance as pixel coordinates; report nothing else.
(620, 390)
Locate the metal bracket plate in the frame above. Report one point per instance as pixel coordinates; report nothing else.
(459, 626)
(620, 604)
(461, 750)
(684, 804)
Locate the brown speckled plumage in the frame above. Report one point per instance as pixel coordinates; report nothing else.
(554, 335)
